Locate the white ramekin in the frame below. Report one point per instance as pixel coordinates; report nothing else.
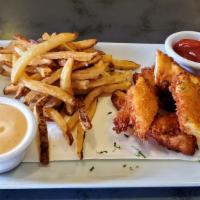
(175, 37)
(14, 157)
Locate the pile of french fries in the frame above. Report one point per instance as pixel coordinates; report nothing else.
(60, 79)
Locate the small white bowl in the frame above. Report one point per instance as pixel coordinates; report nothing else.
(14, 157)
(175, 37)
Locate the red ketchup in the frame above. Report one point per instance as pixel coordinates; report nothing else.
(189, 49)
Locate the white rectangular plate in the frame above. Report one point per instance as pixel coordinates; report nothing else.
(108, 173)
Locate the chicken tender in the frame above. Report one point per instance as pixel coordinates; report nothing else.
(165, 69)
(139, 110)
(186, 93)
(165, 131)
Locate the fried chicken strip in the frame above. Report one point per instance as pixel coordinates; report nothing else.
(166, 132)
(165, 69)
(186, 93)
(139, 110)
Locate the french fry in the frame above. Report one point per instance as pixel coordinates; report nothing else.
(83, 117)
(115, 78)
(84, 44)
(125, 64)
(80, 84)
(90, 73)
(107, 58)
(42, 129)
(65, 76)
(5, 57)
(80, 65)
(10, 89)
(53, 77)
(37, 50)
(6, 68)
(44, 71)
(32, 97)
(21, 91)
(53, 102)
(57, 117)
(51, 90)
(80, 134)
(118, 99)
(36, 77)
(73, 120)
(79, 56)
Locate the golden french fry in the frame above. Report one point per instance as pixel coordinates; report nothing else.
(80, 84)
(84, 44)
(5, 57)
(6, 68)
(107, 58)
(36, 77)
(110, 79)
(53, 77)
(73, 120)
(125, 64)
(44, 71)
(80, 135)
(37, 50)
(79, 56)
(80, 65)
(45, 36)
(10, 89)
(32, 97)
(42, 129)
(90, 73)
(65, 76)
(57, 117)
(48, 89)
(83, 117)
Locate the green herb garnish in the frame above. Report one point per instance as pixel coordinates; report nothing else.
(91, 169)
(116, 146)
(109, 113)
(124, 165)
(101, 152)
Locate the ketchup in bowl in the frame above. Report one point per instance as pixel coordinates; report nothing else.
(189, 49)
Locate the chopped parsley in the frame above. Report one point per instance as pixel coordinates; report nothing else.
(91, 169)
(116, 146)
(126, 135)
(124, 165)
(101, 152)
(131, 168)
(109, 113)
(139, 153)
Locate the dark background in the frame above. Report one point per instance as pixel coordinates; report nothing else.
(143, 21)
(149, 21)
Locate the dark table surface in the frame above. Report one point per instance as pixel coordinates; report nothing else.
(142, 21)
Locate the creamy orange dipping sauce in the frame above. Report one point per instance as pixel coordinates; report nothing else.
(13, 126)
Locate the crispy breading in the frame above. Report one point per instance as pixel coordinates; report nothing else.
(165, 130)
(165, 69)
(186, 93)
(139, 110)
(147, 73)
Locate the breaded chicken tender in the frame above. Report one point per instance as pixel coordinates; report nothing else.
(166, 132)
(186, 93)
(139, 110)
(165, 69)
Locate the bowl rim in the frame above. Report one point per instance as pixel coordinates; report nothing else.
(170, 51)
(30, 132)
